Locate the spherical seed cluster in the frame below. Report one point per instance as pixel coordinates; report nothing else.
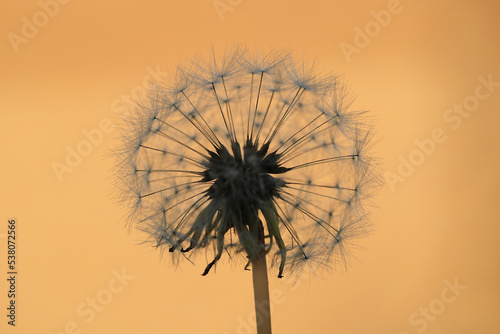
(244, 154)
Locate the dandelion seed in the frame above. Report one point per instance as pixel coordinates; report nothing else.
(249, 155)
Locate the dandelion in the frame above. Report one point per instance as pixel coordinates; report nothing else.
(249, 156)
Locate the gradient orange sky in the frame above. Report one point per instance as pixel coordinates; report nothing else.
(437, 224)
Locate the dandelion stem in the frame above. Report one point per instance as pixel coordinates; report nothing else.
(261, 287)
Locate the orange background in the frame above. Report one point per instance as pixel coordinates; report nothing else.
(442, 223)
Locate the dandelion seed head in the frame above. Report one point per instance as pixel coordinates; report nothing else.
(243, 153)
(258, 62)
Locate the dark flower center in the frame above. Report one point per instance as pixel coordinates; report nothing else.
(244, 181)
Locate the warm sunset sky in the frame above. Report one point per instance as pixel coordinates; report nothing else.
(429, 71)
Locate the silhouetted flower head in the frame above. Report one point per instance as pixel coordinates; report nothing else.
(245, 153)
